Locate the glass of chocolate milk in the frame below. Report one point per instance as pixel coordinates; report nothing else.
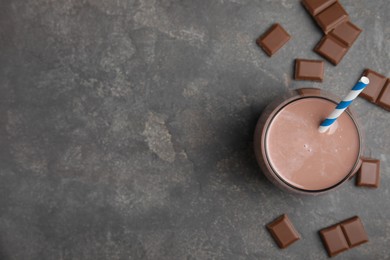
(294, 155)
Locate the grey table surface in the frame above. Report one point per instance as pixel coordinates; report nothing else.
(126, 129)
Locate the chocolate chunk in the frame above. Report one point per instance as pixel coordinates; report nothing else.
(372, 91)
(309, 70)
(334, 240)
(384, 98)
(316, 6)
(354, 231)
(331, 49)
(283, 231)
(331, 17)
(273, 39)
(368, 174)
(346, 33)
(340, 237)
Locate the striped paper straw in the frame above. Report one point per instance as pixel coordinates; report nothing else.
(363, 82)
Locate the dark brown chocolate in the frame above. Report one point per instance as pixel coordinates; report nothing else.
(283, 231)
(331, 17)
(346, 33)
(369, 173)
(309, 70)
(384, 98)
(273, 39)
(354, 231)
(331, 49)
(334, 240)
(373, 90)
(344, 235)
(314, 7)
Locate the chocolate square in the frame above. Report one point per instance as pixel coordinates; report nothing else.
(334, 240)
(309, 70)
(369, 173)
(283, 231)
(346, 33)
(354, 231)
(331, 17)
(314, 7)
(273, 39)
(372, 91)
(384, 98)
(331, 49)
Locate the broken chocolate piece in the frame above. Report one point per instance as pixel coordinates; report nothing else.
(354, 231)
(384, 98)
(283, 231)
(334, 240)
(372, 91)
(369, 173)
(331, 49)
(273, 39)
(314, 7)
(342, 236)
(346, 33)
(331, 17)
(309, 70)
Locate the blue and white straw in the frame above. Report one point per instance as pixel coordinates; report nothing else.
(363, 82)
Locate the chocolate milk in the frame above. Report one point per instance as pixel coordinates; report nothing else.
(301, 155)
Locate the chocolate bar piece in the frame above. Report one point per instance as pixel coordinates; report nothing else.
(309, 70)
(314, 7)
(372, 91)
(354, 231)
(346, 33)
(273, 39)
(283, 231)
(334, 240)
(384, 98)
(342, 236)
(331, 17)
(368, 174)
(331, 49)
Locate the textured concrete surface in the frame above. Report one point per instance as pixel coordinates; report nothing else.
(126, 129)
